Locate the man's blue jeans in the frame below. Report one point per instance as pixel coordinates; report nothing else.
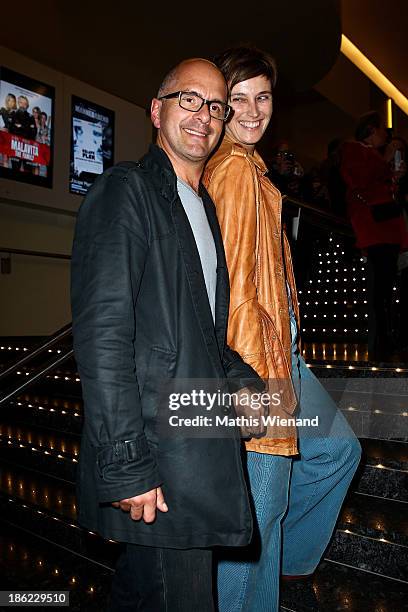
(296, 502)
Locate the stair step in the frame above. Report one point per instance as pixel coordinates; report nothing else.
(59, 529)
(56, 453)
(57, 414)
(30, 562)
(340, 588)
(381, 481)
(37, 490)
(376, 518)
(387, 452)
(361, 552)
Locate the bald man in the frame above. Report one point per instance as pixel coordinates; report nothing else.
(150, 300)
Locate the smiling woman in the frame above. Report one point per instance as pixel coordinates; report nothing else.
(251, 102)
(263, 328)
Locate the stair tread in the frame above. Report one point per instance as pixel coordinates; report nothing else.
(375, 517)
(338, 588)
(30, 562)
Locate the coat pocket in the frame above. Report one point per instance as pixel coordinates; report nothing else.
(160, 367)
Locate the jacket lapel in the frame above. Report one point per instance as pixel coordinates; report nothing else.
(222, 291)
(214, 335)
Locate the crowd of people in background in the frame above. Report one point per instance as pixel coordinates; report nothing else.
(323, 184)
(366, 181)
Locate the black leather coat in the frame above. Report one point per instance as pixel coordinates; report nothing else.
(140, 314)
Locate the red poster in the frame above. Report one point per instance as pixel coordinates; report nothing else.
(22, 148)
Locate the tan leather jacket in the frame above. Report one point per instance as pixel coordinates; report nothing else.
(259, 264)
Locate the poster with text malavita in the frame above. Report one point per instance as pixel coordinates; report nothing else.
(26, 128)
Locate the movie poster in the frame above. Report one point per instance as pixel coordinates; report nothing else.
(91, 143)
(26, 128)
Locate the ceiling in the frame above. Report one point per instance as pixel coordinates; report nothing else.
(379, 28)
(125, 48)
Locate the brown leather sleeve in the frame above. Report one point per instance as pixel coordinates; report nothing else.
(231, 186)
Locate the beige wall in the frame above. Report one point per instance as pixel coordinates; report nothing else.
(34, 298)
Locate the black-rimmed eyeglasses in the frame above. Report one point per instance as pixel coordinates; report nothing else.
(192, 101)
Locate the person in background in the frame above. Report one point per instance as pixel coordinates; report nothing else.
(22, 122)
(396, 154)
(286, 172)
(297, 486)
(314, 189)
(43, 137)
(376, 217)
(37, 118)
(6, 115)
(7, 111)
(331, 177)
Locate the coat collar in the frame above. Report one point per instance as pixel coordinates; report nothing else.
(157, 161)
(237, 149)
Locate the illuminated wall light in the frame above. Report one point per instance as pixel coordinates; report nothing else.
(371, 71)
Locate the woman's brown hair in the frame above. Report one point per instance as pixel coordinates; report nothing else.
(245, 62)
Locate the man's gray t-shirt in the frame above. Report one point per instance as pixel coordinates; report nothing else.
(194, 208)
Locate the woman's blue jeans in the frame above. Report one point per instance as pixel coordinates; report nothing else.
(296, 503)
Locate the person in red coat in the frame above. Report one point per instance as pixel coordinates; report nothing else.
(377, 222)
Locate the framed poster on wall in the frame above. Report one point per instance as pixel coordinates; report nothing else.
(92, 143)
(26, 128)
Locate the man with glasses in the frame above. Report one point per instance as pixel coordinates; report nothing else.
(150, 302)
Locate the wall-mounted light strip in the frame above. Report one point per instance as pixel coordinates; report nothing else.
(363, 63)
(389, 113)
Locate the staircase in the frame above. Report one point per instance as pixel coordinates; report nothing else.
(365, 566)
